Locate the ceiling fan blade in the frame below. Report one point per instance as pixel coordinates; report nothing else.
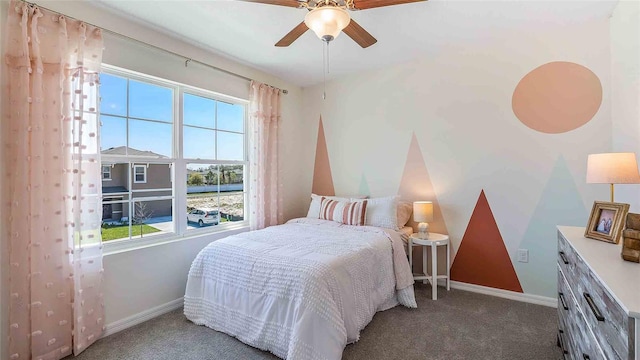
(359, 35)
(370, 4)
(293, 35)
(288, 3)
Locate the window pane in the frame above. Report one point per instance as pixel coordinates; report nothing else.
(115, 212)
(230, 117)
(113, 132)
(151, 218)
(198, 143)
(230, 146)
(147, 138)
(119, 183)
(113, 95)
(199, 111)
(149, 101)
(115, 207)
(232, 206)
(202, 195)
(202, 175)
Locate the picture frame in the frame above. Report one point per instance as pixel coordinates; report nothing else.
(606, 221)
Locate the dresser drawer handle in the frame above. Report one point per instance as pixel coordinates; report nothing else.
(594, 309)
(585, 356)
(564, 304)
(564, 351)
(563, 257)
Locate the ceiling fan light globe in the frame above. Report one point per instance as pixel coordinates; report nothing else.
(327, 22)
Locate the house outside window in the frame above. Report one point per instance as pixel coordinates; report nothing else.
(154, 131)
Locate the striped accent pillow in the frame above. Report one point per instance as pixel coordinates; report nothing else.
(344, 212)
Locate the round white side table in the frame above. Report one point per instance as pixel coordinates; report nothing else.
(433, 241)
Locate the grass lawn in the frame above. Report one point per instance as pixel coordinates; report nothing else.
(122, 232)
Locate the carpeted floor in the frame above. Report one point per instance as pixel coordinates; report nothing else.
(459, 325)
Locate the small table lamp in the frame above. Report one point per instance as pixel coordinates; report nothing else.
(612, 168)
(422, 214)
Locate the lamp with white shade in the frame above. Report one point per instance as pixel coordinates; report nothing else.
(612, 168)
(422, 214)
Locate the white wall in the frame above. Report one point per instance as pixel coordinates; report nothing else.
(625, 88)
(4, 251)
(141, 279)
(458, 103)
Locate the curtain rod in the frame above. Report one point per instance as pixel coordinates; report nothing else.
(187, 59)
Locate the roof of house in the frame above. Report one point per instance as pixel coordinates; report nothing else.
(124, 150)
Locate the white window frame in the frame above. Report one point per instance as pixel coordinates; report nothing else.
(178, 165)
(108, 168)
(135, 174)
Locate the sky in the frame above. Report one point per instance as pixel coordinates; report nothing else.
(145, 101)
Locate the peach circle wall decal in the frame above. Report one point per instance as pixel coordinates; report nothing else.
(557, 97)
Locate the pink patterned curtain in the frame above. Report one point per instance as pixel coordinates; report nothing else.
(264, 115)
(52, 183)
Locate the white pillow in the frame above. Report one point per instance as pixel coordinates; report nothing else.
(316, 202)
(382, 212)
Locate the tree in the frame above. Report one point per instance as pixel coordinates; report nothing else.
(141, 215)
(232, 177)
(223, 177)
(195, 179)
(211, 178)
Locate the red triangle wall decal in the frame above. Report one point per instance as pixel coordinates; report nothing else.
(482, 258)
(322, 179)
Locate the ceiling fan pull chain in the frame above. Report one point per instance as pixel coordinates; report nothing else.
(325, 50)
(328, 57)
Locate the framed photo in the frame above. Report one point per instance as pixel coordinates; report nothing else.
(606, 221)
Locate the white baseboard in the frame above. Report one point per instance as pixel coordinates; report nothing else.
(141, 317)
(512, 295)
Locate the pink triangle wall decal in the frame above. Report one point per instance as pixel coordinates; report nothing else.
(322, 179)
(416, 185)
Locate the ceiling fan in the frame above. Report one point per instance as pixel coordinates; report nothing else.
(327, 18)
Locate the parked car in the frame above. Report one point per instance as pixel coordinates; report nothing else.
(204, 216)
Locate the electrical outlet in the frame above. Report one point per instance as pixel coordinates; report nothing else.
(523, 255)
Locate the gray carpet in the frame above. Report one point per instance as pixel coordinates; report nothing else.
(459, 325)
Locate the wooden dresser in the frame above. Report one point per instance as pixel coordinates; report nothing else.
(598, 299)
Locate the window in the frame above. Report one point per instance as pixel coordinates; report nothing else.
(139, 174)
(106, 173)
(214, 149)
(154, 131)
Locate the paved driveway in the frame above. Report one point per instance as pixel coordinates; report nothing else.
(165, 224)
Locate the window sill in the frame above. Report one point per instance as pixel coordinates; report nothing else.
(120, 246)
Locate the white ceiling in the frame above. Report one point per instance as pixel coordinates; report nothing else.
(247, 31)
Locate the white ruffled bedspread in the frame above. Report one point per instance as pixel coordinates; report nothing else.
(301, 290)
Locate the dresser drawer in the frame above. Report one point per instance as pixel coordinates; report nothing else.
(583, 342)
(567, 260)
(564, 316)
(579, 340)
(608, 321)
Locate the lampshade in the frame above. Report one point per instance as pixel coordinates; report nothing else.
(422, 211)
(327, 21)
(612, 168)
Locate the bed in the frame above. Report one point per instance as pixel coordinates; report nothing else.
(302, 290)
